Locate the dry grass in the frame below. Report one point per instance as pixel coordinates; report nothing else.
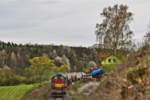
(130, 83)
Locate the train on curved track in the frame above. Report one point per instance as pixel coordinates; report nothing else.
(60, 82)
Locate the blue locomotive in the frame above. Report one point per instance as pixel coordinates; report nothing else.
(97, 72)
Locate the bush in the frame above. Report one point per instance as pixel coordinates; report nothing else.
(109, 67)
(135, 73)
(41, 69)
(9, 77)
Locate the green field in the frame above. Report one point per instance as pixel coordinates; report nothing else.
(14, 92)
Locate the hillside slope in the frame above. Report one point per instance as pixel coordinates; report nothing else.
(132, 82)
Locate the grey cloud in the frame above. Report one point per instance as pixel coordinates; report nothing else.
(70, 22)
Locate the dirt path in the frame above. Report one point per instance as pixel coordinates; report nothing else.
(67, 97)
(88, 88)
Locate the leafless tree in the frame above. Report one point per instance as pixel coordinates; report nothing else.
(114, 31)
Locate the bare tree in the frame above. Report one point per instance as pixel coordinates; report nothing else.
(13, 59)
(147, 38)
(3, 57)
(114, 31)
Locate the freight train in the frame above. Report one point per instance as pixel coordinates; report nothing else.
(60, 82)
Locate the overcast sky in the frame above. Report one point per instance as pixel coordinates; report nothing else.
(68, 22)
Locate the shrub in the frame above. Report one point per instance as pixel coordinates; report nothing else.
(9, 77)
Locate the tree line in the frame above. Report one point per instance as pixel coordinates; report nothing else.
(18, 55)
(32, 63)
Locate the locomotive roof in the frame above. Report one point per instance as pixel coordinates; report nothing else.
(59, 75)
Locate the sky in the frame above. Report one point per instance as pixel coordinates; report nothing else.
(63, 22)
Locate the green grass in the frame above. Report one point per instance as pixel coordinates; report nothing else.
(14, 92)
(109, 67)
(147, 58)
(79, 98)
